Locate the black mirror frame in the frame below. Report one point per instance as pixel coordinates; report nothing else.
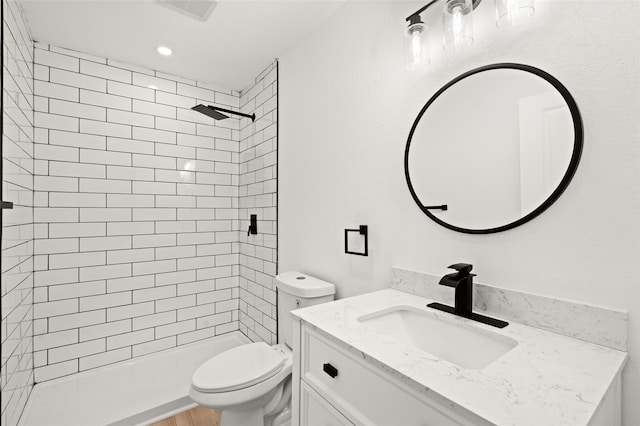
(566, 179)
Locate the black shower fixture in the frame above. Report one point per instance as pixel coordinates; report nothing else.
(217, 113)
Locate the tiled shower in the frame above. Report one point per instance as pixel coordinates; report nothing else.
(128, 234)
(17, 224)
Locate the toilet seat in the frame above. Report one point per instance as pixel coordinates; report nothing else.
(238, 368)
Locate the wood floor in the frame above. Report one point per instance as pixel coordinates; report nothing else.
(199, 416)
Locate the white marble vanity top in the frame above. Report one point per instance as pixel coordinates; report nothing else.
(547, 379)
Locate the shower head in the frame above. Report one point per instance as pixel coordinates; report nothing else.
(214, 112)
(210, 112)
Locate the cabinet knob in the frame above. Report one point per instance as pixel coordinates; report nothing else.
(330, 370)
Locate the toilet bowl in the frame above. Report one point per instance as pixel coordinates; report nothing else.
(251, 384)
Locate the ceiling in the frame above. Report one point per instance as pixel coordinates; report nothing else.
(239, 39)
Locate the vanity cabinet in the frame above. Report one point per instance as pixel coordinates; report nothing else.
(333, 387)
(348, 372)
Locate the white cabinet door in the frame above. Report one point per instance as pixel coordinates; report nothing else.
(316, 411)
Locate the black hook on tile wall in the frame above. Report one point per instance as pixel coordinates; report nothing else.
(362, 230)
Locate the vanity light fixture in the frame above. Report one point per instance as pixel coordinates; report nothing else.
(164, 50)
(457, 20)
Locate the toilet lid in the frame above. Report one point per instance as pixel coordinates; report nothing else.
(237, 368)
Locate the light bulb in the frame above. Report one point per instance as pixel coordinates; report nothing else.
(456, 26)
(415, 45)
(457, 20)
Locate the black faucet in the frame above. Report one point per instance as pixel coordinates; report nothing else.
(462, 281)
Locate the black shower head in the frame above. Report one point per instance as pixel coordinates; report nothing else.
(214, 112)
(210, 111)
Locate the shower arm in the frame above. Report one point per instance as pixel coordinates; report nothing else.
(228, 111)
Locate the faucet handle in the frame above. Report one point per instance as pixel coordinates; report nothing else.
(462, 268)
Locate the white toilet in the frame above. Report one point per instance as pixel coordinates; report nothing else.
(251, 383)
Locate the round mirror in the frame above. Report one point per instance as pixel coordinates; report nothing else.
(493, 148)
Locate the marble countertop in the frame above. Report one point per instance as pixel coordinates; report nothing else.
(547, 379)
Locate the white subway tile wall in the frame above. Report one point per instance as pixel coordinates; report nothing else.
(17, 224)
(137, 213)
(258, 195)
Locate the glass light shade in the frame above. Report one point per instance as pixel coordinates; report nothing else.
(416, 47)
(513, 12)
(457, 22)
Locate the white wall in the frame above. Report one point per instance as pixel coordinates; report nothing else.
(17, 224)
(347, 105)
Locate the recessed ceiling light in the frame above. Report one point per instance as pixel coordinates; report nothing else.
(151, 86)
(163, 50)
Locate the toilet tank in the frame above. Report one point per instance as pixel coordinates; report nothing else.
(297, 290)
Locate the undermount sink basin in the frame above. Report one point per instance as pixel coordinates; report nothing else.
(448, 338)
